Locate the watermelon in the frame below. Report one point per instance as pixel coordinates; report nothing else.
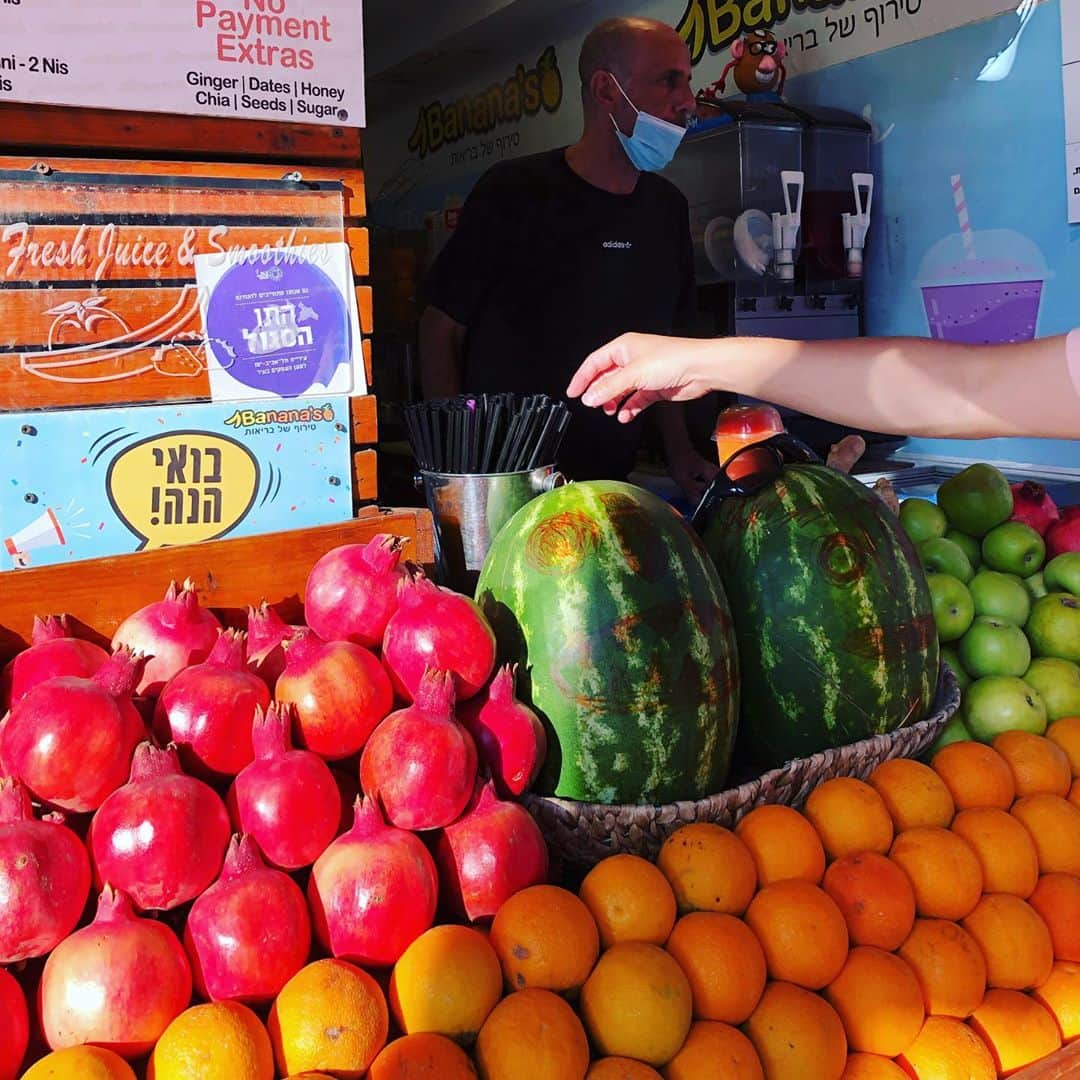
(832, 614)
(611, 607)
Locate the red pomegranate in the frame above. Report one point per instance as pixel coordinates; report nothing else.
(250, 932)
(70, 740)
(1033, 506)
(161, 837)
(352, 591)
(492, 851)
(420, 763)
(436, 628)
(286, 799)
(208, 710)
(1064, 535)
(267, 632)
(175, 633)
(509, 736)
(117, 983)
(14, 1026)
(340, 692)
(373, 891)
(44, 879)
(53, 652)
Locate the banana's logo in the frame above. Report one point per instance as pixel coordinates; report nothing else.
(525, 93)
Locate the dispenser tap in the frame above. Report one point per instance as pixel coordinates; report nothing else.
(786, 226)
(857, 225)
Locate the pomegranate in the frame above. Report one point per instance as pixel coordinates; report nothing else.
(352, 591)
(175, 632)
(340, 691)
(1064, 535)
(44, 879)
(161, 837)
(250, 932)
(14, 1026)
(286, 799)
(208, 710)
(1033, 506)
(420, 763)
(492, 851)
(267, 631)
(54, 651)
(70, 740)
(509, 736)
(373, 891)
(117, 983)
(436, 628)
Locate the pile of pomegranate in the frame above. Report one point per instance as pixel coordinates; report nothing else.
(241, 801)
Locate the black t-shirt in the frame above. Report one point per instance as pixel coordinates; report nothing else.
(544, 267)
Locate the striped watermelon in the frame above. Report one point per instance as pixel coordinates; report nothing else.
(832, 614)
(612, 609)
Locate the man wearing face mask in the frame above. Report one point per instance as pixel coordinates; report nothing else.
(557, 253)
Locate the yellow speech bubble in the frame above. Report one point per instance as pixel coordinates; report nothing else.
(182, 487)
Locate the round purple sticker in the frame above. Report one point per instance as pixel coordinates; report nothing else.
(279, 326)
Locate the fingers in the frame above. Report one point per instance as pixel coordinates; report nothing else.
(603, 359)
(635, 404)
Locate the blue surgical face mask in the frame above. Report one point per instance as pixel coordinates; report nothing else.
(653, 142)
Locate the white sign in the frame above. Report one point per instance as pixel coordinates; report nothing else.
(1070, 79)
(292, 60)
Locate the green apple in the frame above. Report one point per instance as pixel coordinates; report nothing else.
(1001, 703)
(952, 658)
(968, 545)
(1036, 586)
(922, 520)
(994, 647)
(1058, 683)
(1062, 573)
(1001, 595)
(1014, 548)
(953, 731)
(954, 609)
(976, 499)
(941, 556)
(1054, 627)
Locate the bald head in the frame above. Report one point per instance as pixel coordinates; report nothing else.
(616, 45)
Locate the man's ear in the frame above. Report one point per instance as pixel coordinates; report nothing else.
(738, 47)
(603, 90)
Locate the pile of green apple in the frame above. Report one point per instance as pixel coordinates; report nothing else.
(1008, 620)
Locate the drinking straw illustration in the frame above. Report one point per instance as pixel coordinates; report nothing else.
(960, 199)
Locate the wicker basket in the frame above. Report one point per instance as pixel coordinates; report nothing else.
(580, 834)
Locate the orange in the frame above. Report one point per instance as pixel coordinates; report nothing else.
(1066, 733)
(329, 1016)
(875, 896)
(535, 1034)
(1060, 994)
(630, 899)
(943, 869)
(872, 1067)
(879, 1001)
(949, 965)
(1039, 766)
(620, 1068)
(1074, 793)
(709, 868)
(1014, 939)
(80, 1063)
(724, 963)
(913, 793)
(715, 1051)
(947, 1049)
(783, 844)
(1004, 848)
(1016, 1029)
(424, 1056)
(797, 1034)
(1057, 899)
(637, 1003)
(976, 776)
(221, 1041)
(850, 817)
(446, 981)
(802, 933)
(545, 937)
(1054, 825)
